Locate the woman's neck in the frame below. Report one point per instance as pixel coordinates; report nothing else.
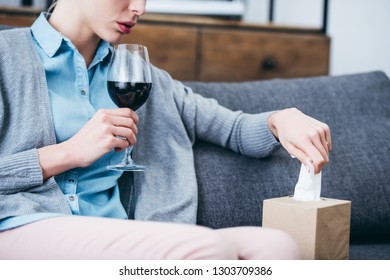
(84, 39)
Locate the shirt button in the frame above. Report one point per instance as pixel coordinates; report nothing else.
(71, 180)
(83, 92)
(72, 198)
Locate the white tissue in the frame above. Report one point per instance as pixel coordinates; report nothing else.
(308, 187)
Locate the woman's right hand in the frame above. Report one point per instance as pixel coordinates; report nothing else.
(302, 136)
(96, 138)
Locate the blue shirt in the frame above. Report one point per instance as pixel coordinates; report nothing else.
(76, 93)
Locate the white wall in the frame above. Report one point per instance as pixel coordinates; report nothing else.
(359, 29)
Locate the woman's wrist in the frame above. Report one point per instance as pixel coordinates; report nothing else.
(55, 159)
(271, 124)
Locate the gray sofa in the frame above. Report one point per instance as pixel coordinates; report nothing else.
(357, 109)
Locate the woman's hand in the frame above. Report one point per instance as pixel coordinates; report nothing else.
(302, 136)
(96, 138)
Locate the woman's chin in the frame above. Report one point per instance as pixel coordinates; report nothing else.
(114, 38)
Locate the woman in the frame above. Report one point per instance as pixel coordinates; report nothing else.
(59, 127)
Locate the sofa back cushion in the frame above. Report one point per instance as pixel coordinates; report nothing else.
(357, 109)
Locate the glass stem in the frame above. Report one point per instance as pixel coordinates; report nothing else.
(127, 160)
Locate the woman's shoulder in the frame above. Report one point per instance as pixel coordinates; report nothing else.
(11, 32)
(6, 27)
(12, 29)
(160, 73)
(163, 78)
(13, 37)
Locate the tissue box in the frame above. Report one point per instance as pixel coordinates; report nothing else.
(321, 228)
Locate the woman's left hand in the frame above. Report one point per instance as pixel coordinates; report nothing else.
(302, 136)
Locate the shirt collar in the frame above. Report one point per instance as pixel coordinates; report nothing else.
(47, 37)
(104, 49)
(50, 39)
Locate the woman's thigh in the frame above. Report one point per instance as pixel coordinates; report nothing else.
(77, 237)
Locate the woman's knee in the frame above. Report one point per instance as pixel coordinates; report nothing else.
(262, 243)
(285, 247)
(205, 243)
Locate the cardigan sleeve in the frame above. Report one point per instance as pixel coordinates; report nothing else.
(205, 119)
(24, 113)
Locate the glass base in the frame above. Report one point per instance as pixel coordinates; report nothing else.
(126, 167)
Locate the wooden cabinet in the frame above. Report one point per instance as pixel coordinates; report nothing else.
(18, 20)
(14, 16)
(209, 49)
(218, 50)
(172, 48)
(234, 55)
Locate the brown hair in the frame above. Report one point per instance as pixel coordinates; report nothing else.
(52, 6)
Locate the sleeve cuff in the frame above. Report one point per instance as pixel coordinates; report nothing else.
(21, 171)
(257, 139)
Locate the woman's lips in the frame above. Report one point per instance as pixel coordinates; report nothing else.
(125, 27)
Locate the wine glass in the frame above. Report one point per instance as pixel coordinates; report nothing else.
(129, 83)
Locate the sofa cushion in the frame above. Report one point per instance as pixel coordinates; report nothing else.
(357, 109)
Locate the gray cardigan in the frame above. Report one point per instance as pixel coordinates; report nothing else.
(170, 122)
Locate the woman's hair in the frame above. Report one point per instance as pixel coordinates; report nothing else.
(52, 6)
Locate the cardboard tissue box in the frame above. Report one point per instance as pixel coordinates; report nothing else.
(321, 226)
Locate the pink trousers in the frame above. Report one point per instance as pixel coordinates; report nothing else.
(76, 237)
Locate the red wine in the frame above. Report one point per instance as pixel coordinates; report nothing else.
(130, 95)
